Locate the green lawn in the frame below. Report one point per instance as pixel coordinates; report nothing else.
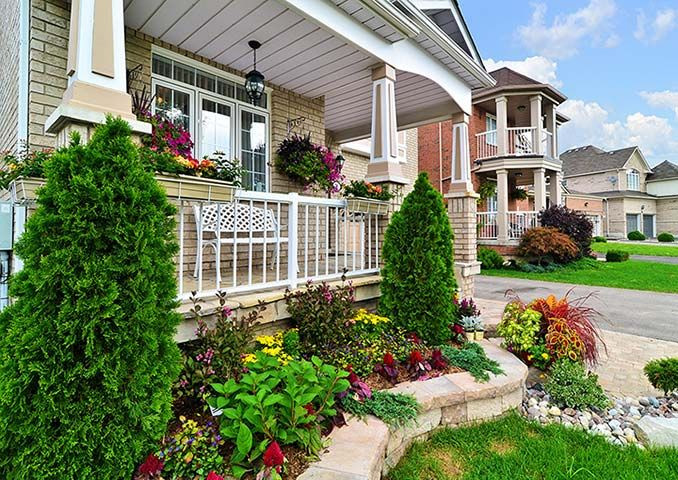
(636, 275)
(633, 249)
(514, 449)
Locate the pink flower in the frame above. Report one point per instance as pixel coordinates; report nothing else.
(273, 456)
(151, 466)
(214, 476)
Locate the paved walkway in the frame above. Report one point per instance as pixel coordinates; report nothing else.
(621, 369)
(648, 314)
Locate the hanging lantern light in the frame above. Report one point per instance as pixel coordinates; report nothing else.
(254, 80)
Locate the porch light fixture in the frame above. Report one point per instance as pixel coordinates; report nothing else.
(340, 160)
(521, 108)
(254, 80)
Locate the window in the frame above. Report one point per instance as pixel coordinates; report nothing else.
(215, 108)
(633, 180)
(492, 203)
(491, 128)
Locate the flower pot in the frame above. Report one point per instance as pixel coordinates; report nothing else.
(470, 336)
(367, 205)
(479, 335)
(24, 189)
(186, 187)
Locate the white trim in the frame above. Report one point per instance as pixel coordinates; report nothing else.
(267, 135)
(198, 122)
(24, 79)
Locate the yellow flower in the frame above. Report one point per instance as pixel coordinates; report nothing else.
(529, 357)
(545, 356)
(267, 340)
(272, 351)
(249, 358)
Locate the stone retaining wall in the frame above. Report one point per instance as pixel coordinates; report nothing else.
(366, 450)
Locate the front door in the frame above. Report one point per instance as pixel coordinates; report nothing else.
(632, 222)
(648, 226)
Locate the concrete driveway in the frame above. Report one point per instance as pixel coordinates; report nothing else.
(648, 314)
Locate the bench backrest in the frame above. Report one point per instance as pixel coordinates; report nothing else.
(261, 220)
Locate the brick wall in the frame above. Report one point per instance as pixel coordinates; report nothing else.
(9, 74)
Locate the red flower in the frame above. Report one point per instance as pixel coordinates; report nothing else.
(437, 360)
(416, 357)
(273, 456)
(353, 378)
(414, 338)
(151, 466)
(214, 476)
(458, 329)
(309, 409)
(388, 359)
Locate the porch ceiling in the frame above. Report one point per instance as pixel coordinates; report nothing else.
(296, 54)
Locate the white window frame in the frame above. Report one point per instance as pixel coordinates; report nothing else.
(234, 123)
(633, 180)
(196, 92)
(489, 138)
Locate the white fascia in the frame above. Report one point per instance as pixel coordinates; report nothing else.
(24, 40)
(405, 55)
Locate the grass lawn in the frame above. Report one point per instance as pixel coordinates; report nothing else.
(633, 249)
(636, 275)
(512, 448)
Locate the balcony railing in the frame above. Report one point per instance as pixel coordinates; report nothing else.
(521, 141)
(266, 240)
(516, 224)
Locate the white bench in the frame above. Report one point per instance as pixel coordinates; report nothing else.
(244, 219)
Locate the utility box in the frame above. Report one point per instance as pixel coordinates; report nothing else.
(6, 226)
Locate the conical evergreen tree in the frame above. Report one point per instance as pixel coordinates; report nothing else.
(87, 356)
(417, 290)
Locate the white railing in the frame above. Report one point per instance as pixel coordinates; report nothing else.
(521, 140)
(547, 143)
(487, 225)
(519, 222)
(266, 240)
(486, 144)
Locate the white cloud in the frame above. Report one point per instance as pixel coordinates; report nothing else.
(664, 21)
(665, 99)
(590, 124)
(539, 68)
(561, 39)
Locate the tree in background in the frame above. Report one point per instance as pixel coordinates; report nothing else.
(418, 283)
(87, 355)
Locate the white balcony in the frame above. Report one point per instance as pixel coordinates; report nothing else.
(521, 141)
(517, 223)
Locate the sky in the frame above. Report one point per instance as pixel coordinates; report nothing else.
(615, 60)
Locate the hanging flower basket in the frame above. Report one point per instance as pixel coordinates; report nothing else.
(185, 187)
(23, 189)
(367, 205)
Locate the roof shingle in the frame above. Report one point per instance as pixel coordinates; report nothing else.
(664, 171)
(589, 159)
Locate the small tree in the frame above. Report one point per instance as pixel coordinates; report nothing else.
(87, 356)
(417, 290)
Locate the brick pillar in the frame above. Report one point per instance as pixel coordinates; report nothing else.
(461, 209)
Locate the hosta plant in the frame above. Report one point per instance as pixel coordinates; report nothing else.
(289, 404)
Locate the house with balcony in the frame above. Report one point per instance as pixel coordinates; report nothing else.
(241, 77)
(629, 194)
(513, 143)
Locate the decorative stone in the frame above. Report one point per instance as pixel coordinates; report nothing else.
(657, 431)
(569, 412)
(555, 411)
(533, 412)
(614, 424)
(533, 402)
(654, 402)
(644, 401)
(612, 412)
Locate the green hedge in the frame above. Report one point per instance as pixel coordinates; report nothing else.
(616, 256)
(599, 239)
(663, 374)
(490, 258)
(666, 237)
(636, 235)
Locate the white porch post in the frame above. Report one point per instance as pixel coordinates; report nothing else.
(536, 123)
(461, 156)
(539, 189)
(502, 125)
(96, 71)
(502, 206)
(555, 190)
(384, 165)
(550, 112)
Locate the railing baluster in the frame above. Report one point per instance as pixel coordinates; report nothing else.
(336, 239)
(200, 238)
(306, 241)
(217, 260)
(293, 219)
(235, 242)
(317, 239)
(265, 261)
(369, 240)
(279, 245)
(249, 260)
(181, 247)
(327, 240)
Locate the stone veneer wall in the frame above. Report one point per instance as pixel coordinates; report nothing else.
(9, 74)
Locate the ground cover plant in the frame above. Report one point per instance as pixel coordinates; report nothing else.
(394, 409)
(418, 283)
(472, 358)
(513, 448)
(570, 385)
(87, 351)
(634, 274)
(663, 374)
(635, 249)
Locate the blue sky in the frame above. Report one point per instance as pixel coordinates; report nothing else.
(616, 61)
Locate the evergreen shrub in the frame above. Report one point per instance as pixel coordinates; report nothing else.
(666, 237)
(490, 258)
(418, 286)
(87, 351)
(636, 235)
(570, 222)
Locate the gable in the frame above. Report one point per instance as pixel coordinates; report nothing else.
(637, 161)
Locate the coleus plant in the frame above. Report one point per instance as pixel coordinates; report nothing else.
(388, 368)
(417, 365)
(438, 361)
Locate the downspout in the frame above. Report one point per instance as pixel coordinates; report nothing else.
(440, 155)
(607, 217)
(24, 51)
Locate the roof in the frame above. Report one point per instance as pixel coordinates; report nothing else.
(622, 194)
(510, 80)
(663, 171)
(589, 159)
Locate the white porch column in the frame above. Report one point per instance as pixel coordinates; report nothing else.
(550, 112)
(384, 165)
(539, 189)
(536, 123)
(96, 71)
(555, 190)
(502, 125)
(461, 155)
(502, 206)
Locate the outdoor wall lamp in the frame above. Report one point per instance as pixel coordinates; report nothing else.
(341, 160)
(521, 108)
(254, 80)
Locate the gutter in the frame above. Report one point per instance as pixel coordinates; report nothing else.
(441, 39)
(393, 16)
(24, 51)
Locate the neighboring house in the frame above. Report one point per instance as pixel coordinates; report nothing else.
(622, 189)
(340, 70)
(513, 137)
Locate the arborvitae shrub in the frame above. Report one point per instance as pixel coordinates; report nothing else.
(417, 290)
(87, 355)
